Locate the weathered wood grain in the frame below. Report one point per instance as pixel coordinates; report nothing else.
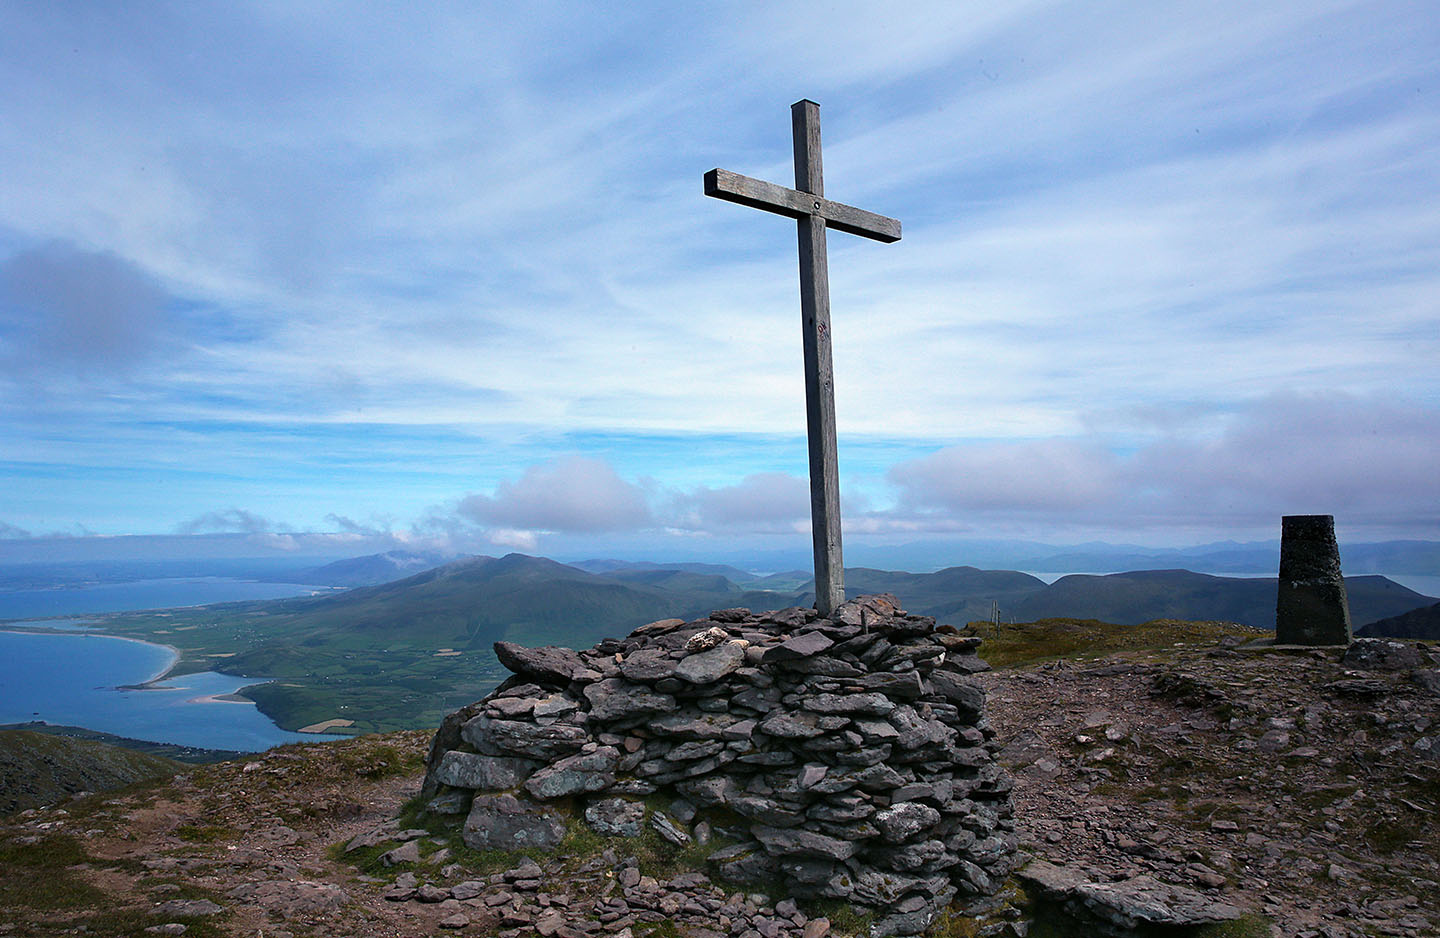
(819, 369)
(814, 213)
(756, 193)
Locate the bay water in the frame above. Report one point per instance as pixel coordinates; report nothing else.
(80, 679)
(132, 595)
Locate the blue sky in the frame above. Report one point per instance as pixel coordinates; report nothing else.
(445, 273)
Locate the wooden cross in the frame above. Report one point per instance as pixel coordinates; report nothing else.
(807, 203)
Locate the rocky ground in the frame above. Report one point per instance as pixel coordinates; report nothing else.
(1296, 786)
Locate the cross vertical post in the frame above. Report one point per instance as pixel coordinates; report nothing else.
(819, 369)
(813, 213)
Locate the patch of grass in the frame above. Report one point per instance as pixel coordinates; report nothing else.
(845, 919)
(1313, 799)
(1387, 836)
(1173, 792)
(951, 924)
(376, 761)
(657, 857)
(1027, 643)
(206, 833)
(37, 876)
(132, 922)
(665, 929)
(1249, 926)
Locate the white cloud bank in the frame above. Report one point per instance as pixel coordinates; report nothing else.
(1370, 462)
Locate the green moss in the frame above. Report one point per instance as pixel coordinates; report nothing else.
(1029, 643)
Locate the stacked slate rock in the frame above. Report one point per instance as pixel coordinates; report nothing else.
(849, 757)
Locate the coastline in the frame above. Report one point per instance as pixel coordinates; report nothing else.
(175, 653)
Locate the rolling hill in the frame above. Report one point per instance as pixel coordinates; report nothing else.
(40, 768)
(1132, 598)
(370, 570)
(1417, 623)
(404, 653)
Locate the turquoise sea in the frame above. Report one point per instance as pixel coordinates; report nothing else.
(75, 679)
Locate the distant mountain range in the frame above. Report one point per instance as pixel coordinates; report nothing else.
(370, 570)
(1132, 598)
(405, 652)
(49, 563)
(1414, 557)
(478, 600)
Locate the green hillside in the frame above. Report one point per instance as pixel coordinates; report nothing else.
(405, 653)
(956, 594)
(1417, 623)
(39, 768)
(1132, 598)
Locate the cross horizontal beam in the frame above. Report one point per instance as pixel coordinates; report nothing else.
(756, 193)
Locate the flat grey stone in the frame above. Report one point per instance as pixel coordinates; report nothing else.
(906, 685)
(615, 817)
(467, 890)
(487, 773)
(790, 617)
(707, 667)
(785, 842)
(692, 725)
(885, 887)
(764, 810)
(405, 853)
(574, 775)
(695, 749)
(1129, 903)
(877, 705)
(910, 857)
(1377, 654)
(505, 822)
(648, 665)
(614, 699)
(186, 907)
(791, 725)
(669, 829)
(549, 665)
(798, 646)
(524, 739)
(960, 690)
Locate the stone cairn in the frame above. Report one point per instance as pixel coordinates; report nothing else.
(1311, 606)
(846, 757)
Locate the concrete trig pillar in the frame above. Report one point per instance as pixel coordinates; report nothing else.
(1311, 608)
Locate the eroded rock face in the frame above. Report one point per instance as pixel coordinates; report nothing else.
(1119, 907)
(854, 749)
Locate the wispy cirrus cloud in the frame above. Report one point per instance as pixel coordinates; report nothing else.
(332, 266)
